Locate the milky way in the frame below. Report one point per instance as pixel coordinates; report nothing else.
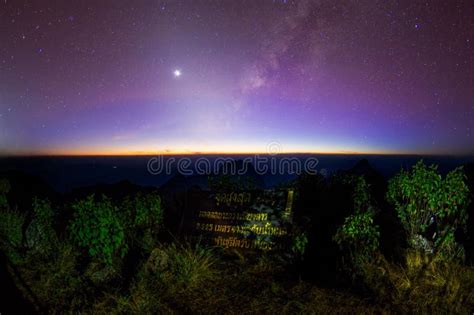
(103, 77)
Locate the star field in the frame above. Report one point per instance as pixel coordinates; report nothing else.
(118, 77)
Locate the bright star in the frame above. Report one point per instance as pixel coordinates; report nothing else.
(177, 73)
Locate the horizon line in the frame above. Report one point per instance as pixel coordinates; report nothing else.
(167, 153)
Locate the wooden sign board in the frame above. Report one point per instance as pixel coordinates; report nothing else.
(250, 220)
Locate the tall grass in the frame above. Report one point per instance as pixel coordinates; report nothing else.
(175, 276)
(423, 284)
(187, 278)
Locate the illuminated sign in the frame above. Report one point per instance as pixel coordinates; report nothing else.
(253, 220)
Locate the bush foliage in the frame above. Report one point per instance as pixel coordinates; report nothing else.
(97, 227)
(431, 208)
(40, 235)
(142, 218)
(107, 230)
(359, 234)
(11, 226)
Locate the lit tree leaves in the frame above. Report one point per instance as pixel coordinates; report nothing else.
(97, 227)
(422, 197)
(359, 235)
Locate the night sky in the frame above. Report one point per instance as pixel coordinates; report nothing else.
(129, 77)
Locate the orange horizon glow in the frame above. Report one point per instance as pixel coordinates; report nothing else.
(238, 147)
(208, 152)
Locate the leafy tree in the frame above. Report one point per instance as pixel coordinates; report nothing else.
(431, 208)
(97, 227)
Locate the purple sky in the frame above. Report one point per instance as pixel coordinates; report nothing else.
(357, 76)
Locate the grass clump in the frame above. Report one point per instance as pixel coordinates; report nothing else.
(175, 275)
(56, 281)
(421, 285)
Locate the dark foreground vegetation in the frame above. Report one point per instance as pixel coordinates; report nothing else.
(360, 244)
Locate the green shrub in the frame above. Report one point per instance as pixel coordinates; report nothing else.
(148, 209)
(359, 235)
(300, 241)
(11, 226)
(142, 218)
(97, 227)
(11, 223)
(40, 234)
(11, 234)
(422, 198)
(4, 189)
